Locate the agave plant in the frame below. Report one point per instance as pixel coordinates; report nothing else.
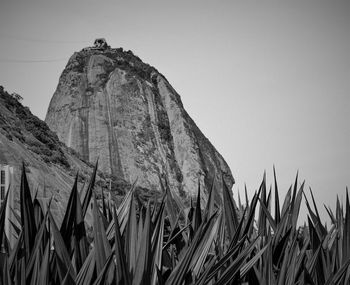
(165, 242)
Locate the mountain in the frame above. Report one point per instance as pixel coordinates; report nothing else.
(110, 105)
(51, 167)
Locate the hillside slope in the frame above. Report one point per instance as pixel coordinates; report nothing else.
(50, 165)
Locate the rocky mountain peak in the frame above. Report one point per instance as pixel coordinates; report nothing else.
(111, 105)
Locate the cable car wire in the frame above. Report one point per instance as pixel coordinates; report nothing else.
(5, 60)
(38, 40)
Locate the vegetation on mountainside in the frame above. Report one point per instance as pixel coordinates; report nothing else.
(124, 60)
(21, 124)
(165, 242)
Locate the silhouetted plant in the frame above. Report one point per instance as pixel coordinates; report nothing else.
(161, 241)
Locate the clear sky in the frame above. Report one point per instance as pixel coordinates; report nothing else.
(268, 82)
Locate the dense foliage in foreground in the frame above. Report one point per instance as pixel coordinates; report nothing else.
(164, 242)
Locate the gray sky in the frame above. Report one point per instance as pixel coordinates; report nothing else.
(268, 82)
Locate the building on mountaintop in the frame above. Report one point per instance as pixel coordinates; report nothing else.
(101, 43)
(18, 97)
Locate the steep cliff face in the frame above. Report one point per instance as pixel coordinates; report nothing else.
(110, 105)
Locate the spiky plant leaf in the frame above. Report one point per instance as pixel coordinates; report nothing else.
(246, 267)
(246, 198)
(88, 193)
(103, 249)
(209, 208)
(140, 226)
(231, 218)
(16, 215)
(44, 276)
(250, 219)
(67, 280)
(157, 241)
(38, 212)
(170, 204)
(229, 274)
(60, 248)
(27, 215)
(102, 278)
(174, 235)
(36, 256)
(346, 231)
(262, 216)
(33, 277)
(80, 242)
(104, 208)
(209, 265)
(237, 235)
(121, 265)
(15, 254)
(179, 273)
(142, 273)
(268, 216)
(220, 244)
(330, 214)
(16, 229)
(131, 237)
(5, 278)
(87, 273)
(315, 264)
(279, 249)
(202, 251)
(296, 206)
(286, 203)
(295, 188)
(197, 217)
(2, 218)
(277, 200)
(64, 275)
(122, 213)
(66, 229)
(229, 255)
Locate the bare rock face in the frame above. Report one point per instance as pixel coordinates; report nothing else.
(111, 106)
